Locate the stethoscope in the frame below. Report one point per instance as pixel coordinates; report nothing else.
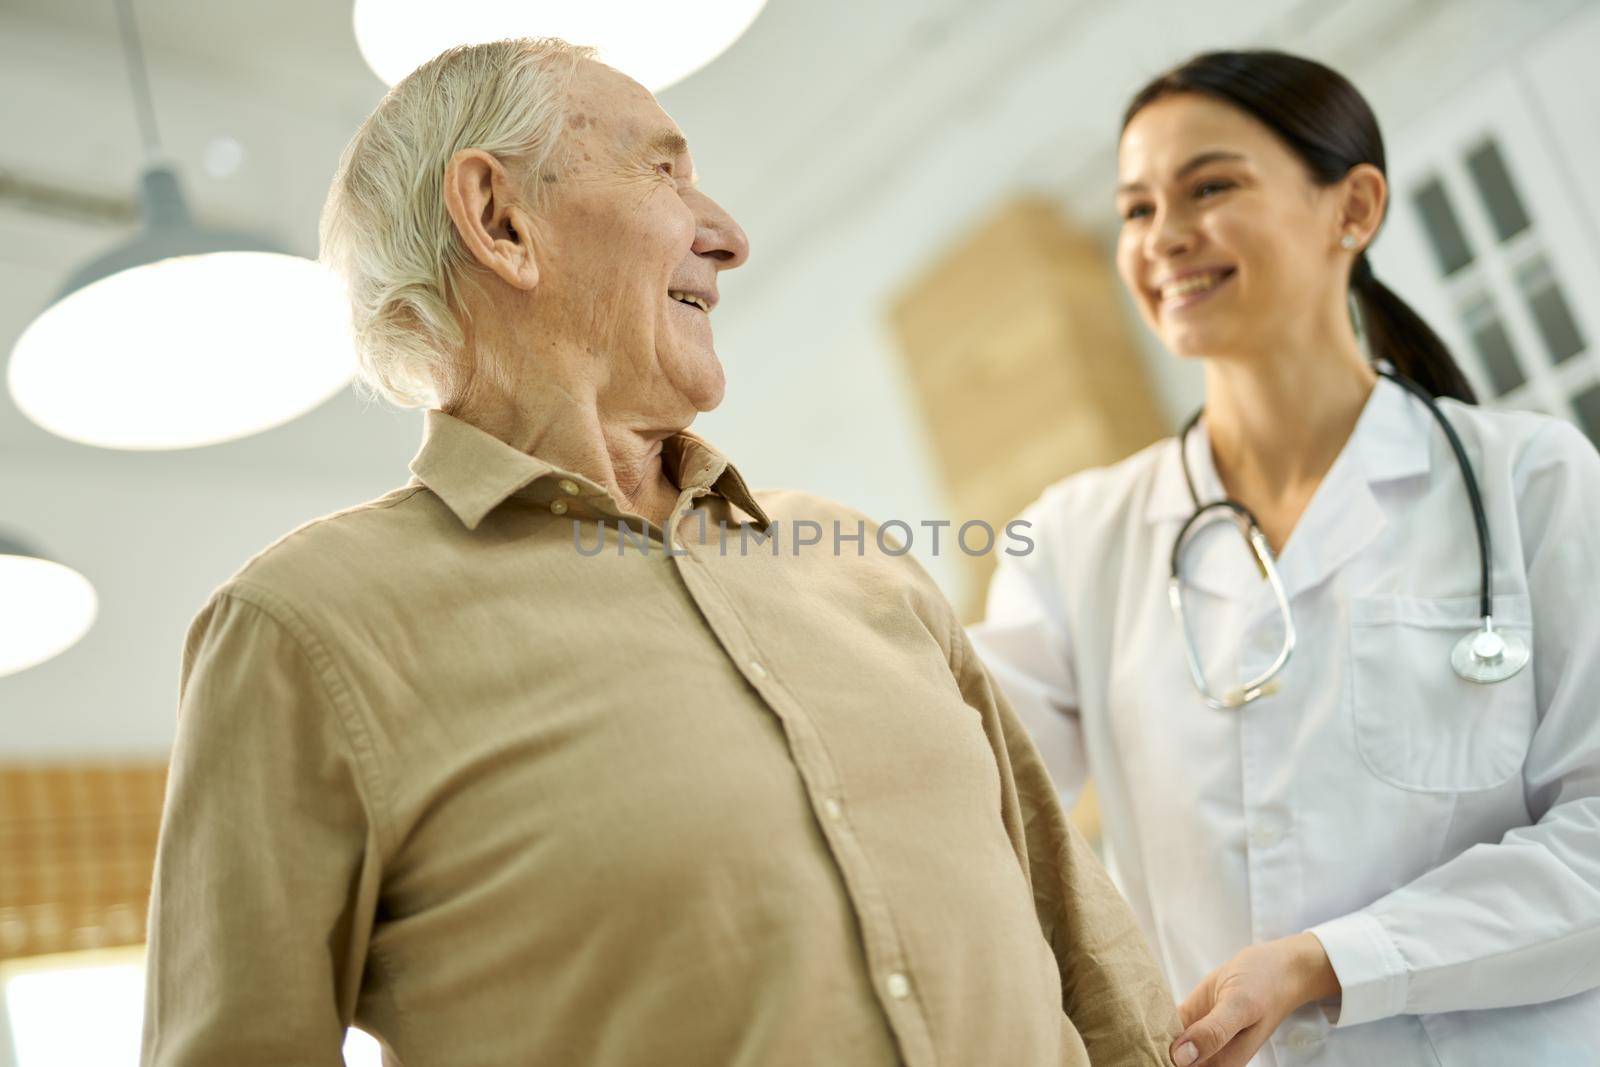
(1484, 656)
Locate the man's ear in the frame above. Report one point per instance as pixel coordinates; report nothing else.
(1366, 192)
(493, 225)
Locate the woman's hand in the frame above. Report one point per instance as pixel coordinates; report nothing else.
(1235, 1009)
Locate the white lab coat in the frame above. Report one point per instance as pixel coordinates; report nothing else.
(1441, 838)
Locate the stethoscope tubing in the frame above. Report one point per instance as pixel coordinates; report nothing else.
(1480, 517)
(1483, 656)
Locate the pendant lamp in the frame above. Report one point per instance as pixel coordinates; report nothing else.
(45, 607)
(184, 335)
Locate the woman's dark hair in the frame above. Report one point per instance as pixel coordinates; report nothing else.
(1325, 121)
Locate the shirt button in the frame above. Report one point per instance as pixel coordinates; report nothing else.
(833, 808)
(898, 985)
(568, 486)
(757, 669)
(1268, 832)
(558, 507)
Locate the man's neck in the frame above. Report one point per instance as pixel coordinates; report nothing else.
(566, 428)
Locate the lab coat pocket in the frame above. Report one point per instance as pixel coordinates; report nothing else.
(1419, 725)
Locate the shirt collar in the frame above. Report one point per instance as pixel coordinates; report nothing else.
(1392, 439)
(474, 472)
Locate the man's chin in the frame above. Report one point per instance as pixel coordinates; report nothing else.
(709, 402)
(705, 383)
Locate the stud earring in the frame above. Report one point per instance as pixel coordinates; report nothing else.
(1347, 242)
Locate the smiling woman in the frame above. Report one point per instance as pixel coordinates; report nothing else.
(1327, 835)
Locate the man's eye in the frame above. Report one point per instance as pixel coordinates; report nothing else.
(664, 168)
(1137, 211)
(1205, 189)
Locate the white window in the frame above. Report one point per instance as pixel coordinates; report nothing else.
(1490, 238)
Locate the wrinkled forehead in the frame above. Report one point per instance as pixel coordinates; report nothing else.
(606, 106)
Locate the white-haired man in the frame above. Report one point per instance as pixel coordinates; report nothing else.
(445, 773)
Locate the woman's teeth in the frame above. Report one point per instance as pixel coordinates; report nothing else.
(688, 298)
(1194, 283)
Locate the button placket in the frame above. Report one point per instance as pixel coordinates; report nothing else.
(885, 956)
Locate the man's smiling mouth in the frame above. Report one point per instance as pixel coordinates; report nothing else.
(690, 299)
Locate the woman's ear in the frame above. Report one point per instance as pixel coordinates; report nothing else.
(1365, 195)
(489, 217)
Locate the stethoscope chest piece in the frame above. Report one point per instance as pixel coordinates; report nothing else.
(1488, 655)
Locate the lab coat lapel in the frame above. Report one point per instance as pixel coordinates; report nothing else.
(1391, 442)
(1343, 518)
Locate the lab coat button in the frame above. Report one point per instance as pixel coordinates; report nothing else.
(899, 986)
(558, 507)
(1304, 1038)
(833, 808)
(568, 486)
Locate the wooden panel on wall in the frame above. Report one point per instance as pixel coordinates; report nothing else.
(1022, 361)
(77, 848)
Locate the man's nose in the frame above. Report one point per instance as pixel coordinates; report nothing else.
(718, 237)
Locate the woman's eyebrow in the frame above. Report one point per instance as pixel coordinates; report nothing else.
(1207, 157)
(1195, 163)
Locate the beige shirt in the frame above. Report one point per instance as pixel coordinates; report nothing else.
(446, 772)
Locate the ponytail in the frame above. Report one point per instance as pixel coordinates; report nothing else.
(1396, 333)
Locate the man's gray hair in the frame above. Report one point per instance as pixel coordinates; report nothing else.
(385, 228)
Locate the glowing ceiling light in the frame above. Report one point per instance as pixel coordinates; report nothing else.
(655, 44)
(212, 336)
(45, 610)
(184, 335)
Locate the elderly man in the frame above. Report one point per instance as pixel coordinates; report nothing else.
(445, 773)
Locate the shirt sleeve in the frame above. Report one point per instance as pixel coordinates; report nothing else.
(1112, 990)
(1025, 642)
(1515, 921)
(266, 867)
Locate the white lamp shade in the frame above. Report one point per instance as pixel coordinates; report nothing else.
(186, 351)
(655, 44)
(44, 609)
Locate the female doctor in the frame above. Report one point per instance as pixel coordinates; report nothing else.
(1363, 830)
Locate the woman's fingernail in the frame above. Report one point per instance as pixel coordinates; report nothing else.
(1186, 1054)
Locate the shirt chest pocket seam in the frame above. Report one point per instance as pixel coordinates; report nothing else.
(1416, 725)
